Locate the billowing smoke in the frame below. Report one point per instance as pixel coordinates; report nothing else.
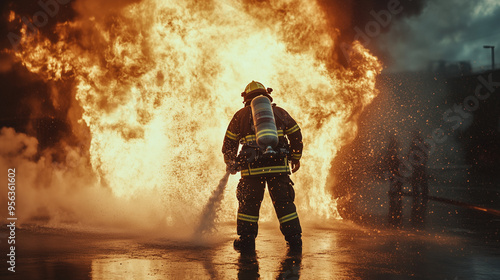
(66, 194)
(346, 15)
(367, 20)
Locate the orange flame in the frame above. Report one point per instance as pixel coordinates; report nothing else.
(158, 82)
(12, 16)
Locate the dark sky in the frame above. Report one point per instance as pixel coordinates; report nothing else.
(452, 30)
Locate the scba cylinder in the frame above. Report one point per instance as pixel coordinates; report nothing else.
(264, 123)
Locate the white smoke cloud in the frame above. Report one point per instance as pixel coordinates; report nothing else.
(66, 194)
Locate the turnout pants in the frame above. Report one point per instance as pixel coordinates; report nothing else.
(395, 202)
(250, 193)
(420, 191)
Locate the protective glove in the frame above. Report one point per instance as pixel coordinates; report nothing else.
(295, 165)
(232, 167)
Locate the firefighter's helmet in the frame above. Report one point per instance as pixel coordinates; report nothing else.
(254, 89)
(255, 86)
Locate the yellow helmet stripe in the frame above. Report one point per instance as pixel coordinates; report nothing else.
(253, 86)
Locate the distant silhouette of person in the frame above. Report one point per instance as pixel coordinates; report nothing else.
(391, 167)
(419, 178)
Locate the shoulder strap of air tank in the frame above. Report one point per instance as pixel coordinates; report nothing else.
(278, 113)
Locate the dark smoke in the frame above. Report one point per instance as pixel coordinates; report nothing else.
(44, 109)
(347, 15)
(29, 104)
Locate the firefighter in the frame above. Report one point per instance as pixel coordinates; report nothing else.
(418, 158)
(392, 164)
(258, 168)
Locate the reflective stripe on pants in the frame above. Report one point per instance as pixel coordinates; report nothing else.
(250, 193)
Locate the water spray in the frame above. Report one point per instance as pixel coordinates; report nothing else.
(209, 214)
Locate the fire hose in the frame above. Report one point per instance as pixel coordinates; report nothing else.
(461, 204)
(466, 205)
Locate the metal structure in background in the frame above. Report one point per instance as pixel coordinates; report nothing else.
(492, 56)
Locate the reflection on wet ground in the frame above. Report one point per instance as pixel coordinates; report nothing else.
(341, 250)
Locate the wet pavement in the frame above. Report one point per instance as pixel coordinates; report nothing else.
(338, 249)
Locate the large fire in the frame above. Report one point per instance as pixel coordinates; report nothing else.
(156, 82)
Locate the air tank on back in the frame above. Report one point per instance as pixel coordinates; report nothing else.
(265, 125)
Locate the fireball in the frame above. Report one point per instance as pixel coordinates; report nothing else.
(154, 84)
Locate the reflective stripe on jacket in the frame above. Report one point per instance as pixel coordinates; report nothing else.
(241, 131)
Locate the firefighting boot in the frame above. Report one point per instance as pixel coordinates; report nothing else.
(245, 243)
(294, 243)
